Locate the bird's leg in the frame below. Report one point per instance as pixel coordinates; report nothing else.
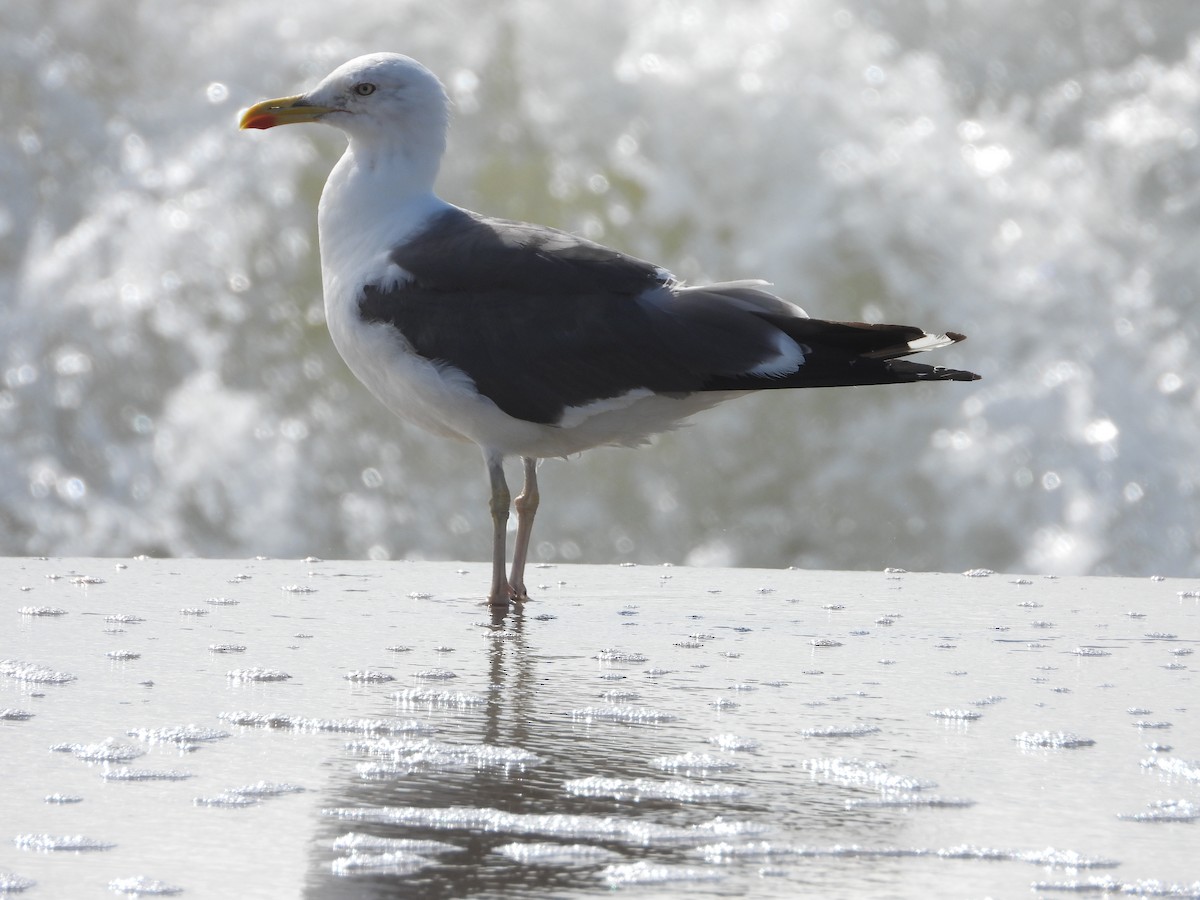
(526, 506)
(500, 594)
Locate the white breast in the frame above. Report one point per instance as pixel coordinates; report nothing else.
(360, 221)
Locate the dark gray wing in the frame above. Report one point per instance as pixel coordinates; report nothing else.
(542, 320)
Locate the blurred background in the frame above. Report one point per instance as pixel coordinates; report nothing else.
(1026, 172)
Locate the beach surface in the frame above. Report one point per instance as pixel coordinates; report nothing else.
(279, 728)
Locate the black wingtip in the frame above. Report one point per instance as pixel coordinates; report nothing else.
(956, 336)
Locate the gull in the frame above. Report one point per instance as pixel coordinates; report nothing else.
(528, 341)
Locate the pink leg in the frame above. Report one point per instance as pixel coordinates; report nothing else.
(500, 593)
(526, 505)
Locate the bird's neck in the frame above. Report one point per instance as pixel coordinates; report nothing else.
(377, 182)
(370, 203)
(407, 161)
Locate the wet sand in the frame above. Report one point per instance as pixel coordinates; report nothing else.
(274, 728)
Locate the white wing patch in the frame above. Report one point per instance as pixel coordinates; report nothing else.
(573, 416)
(789, 356)
(930, 342)
(392, 277)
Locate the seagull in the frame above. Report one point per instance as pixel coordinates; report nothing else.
(528, 341)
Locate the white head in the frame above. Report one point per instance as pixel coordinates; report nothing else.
(386, 103)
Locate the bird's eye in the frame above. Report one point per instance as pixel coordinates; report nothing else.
(364, 89)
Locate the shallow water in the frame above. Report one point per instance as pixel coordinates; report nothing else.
(1022, 172)
(278, 728)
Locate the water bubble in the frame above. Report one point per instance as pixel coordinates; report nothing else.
(627, 145)
(1100, 431)
(29, 141)
(1169, 382)
(650, 63)
(72, 489)
(20, 376)
(70, 361)
(970, 131)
